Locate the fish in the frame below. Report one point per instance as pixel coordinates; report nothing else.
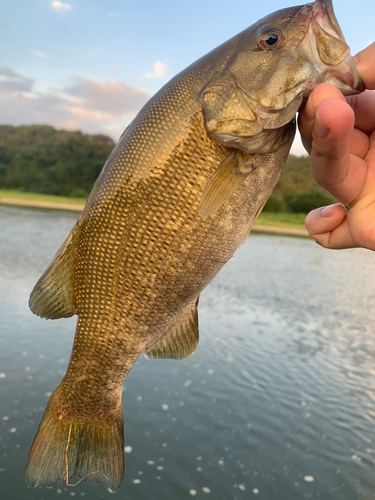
(177, 196)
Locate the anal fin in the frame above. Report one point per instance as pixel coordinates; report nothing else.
(53, 294)
(181, 340)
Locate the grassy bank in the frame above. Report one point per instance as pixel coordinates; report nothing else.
(280, 220)
(48, 198)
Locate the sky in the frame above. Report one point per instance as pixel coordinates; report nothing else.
(91, 65)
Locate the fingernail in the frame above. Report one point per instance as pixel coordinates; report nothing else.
(327, 211)
(321, 130)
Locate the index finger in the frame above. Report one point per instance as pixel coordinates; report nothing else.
(365, 62)
(363, 106)
(306, 117)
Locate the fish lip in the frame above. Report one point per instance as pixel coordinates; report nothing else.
(322, 11)
(322, 14)
(322, 17)
(326, 19)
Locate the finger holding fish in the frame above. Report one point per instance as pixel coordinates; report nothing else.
(339, 134)
(363, 61)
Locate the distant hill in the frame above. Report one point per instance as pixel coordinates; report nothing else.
(296, 190)
(296, 177)
(41, 159)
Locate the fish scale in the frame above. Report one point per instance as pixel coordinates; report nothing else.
(176, 198)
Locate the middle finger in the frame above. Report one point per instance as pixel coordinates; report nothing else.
(363, 106)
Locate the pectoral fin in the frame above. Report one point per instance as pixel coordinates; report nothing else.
(229, 175)
(181, 340)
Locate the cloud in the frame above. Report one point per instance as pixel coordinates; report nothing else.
(113, 15)
(61, 7)
(18, 108)
(7, 71)
(111, 97)
(94, 107)
(11, 81)
(37, 53)
(160, 71)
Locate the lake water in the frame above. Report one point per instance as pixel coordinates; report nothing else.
(277, 403)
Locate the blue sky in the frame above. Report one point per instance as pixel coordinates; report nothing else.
(91, 65)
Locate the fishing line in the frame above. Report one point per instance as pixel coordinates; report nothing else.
(67, 466)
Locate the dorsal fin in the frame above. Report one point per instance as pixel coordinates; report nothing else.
(181, 340)
(53, 295)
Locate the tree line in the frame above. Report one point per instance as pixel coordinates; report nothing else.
(41, 159)
(296, 190)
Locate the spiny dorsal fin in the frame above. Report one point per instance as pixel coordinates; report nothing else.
(181, 340)
(53, 295)
(228, 176)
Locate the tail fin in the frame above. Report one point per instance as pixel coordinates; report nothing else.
(90, 450)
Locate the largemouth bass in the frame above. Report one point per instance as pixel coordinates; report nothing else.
(177, 196)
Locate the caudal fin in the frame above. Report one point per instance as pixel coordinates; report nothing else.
(87, 449)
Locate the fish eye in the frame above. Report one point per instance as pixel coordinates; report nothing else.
(270, 39)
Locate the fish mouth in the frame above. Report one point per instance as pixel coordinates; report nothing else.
(323, 14)
(325, 44)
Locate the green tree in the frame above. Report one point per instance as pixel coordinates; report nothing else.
(41, 159)
(305, 202)
(275, 204)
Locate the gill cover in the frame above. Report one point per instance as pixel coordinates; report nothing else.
(249, 102)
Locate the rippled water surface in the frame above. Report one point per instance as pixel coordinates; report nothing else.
(278, 402)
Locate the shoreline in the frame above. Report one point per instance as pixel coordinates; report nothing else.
(260, 228)
(284, 231)
(41, 204)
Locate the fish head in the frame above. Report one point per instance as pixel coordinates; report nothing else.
(274, 66)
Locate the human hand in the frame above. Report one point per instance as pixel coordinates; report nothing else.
(339, 133)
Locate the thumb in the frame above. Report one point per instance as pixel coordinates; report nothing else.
(329, 227)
